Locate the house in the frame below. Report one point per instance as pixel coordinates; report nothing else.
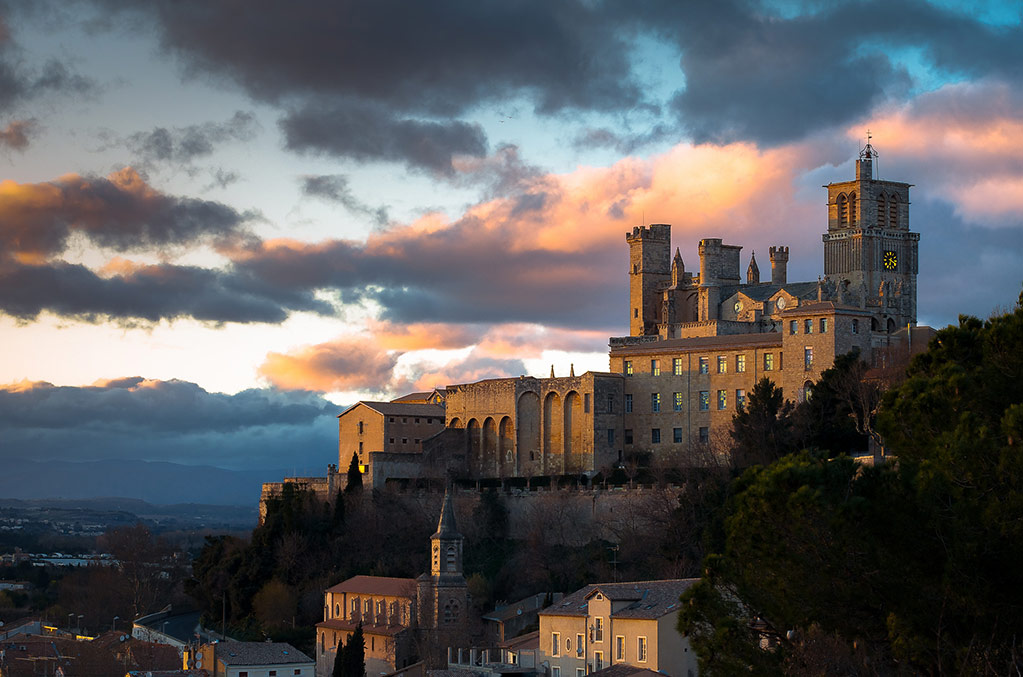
(249, 659)
(509, 620)
(609, 624)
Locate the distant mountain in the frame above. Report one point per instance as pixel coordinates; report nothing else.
(154, 482)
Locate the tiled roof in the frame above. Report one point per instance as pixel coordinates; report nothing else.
(259, 653)
(762, 292)
(401, 409)
(700, 343)
(377, 585)
(530, 640)
(650, 599)
(624, 670)
(824, 307)
(414, 397)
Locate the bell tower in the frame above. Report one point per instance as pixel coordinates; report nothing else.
(649, 273)
(869, 251)
(443, 593)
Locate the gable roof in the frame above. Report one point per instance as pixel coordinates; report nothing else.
(259, 653)
(400, 409)
(377, 585)
(648, 599)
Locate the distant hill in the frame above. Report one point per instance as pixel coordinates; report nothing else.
(154, 482)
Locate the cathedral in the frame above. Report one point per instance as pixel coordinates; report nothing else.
(698, 342)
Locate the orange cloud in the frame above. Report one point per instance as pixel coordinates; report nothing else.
(341, 365)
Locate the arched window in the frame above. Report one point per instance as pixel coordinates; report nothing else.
(852, 208)
(874, 324)
(891, 325)
(450, 612)
(882, 211)
(843, 209)
(893, 212)
(451, 558)
(323, 641)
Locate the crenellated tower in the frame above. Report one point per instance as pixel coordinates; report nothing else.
(649, 273)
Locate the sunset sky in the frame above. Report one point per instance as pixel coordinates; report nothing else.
(222, 221)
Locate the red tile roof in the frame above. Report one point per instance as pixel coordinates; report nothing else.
(377, 585)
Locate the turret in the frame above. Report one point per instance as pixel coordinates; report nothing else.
(678, 269)
(753, 272)
(649, 273)
(779, 264)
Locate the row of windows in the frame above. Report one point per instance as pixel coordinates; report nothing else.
(404, 440)
(404, 419)
(678, 399)
(722, 361)
(273, 673)
(620, 650)
(808, 325)
(676, 435)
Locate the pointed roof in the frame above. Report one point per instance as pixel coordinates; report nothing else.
(753, 272)
(446, 527)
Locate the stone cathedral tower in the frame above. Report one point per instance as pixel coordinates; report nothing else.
(443, 594)
(870, 254)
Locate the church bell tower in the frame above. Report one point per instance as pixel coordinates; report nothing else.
(870, 255)
(443, 593)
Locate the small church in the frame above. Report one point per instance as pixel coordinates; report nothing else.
(397, 614)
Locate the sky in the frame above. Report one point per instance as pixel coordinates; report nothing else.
(221, 222)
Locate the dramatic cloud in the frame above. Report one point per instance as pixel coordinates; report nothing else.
(16, 135)
(334, 188)
(342, 365)
(120, 211)
(130, 292)
(183, 145)
(160, 420)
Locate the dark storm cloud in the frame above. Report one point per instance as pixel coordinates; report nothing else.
(335, 188)
(183, 145)
(752, 75)
(148, 293)
(366, 133)
(16, 135)
(164, 420)
(120, 211)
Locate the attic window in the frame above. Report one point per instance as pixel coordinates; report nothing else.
(600, 596)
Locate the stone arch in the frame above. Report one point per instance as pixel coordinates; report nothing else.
(891, 326)
(455, 423)
(807, 390)
(489, 457)
(527, 434)
(882, 210)
(843, 209)
(473, 435)
(553, 429)
(573, 433)
(874, 324)
(506, 446)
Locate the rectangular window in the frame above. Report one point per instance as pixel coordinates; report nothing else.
(676, 366)
(628, 403)
(598, 629)
(641, 650)
(704, 434)
(676, 435)
(610, 404)
(781, 360)
(586, 402)
(417, 440)
(628, 435)
(610, 437)
(808, 358)
(555, 643)
(360, 427)
(740, 363)
(722, 399)
(856, 327)
(655, 402)
(555, 671)
(704, 365)
(808, 326)
(704, 400)
(391, 440)
(360, 449)
(417, 420)
(273, 673)
(655, 367)
(620, 647)
(390, 419)
(580, 672)
(579, 644)
(740, 398)
(824, 325)
(243, 673)
(722, 364)
(655, 436)
(676, 401)
(598, 660)
(768, 361)
(404, 440)
(628, 367)
(792, 326)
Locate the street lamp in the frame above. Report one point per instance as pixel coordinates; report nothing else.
(113, 624)
(69, 617)
(78, 626)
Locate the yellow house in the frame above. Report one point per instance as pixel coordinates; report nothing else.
(617, 623)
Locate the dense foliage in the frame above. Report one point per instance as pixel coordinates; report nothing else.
(908, 567)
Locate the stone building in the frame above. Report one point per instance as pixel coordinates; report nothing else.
(397, 614)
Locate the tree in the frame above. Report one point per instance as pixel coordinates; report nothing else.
(142, 561)
(762, 430)
(837, 413)
(354, 484)
(351, 656)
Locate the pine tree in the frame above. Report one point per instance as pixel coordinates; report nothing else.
(354, 476)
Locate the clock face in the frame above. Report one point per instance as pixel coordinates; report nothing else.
(738, 306)
(782, 303)
(890, 260)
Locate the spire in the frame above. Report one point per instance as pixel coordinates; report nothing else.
(552, 371)
(446, 526)
(753, 272)
(571, 370)
(678, 268)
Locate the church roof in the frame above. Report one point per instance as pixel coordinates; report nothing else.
(724, 341)
(446, 527)
(762, 292)
(400, 408)
(824, 307)
(377, 585)
(367, 628)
